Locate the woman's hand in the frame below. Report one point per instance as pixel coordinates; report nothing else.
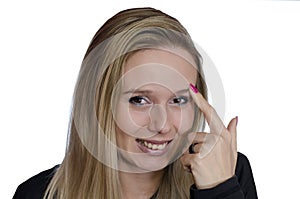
(215, 153)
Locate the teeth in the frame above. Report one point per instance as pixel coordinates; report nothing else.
(154, 146)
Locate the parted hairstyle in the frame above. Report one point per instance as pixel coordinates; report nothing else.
(81, 174)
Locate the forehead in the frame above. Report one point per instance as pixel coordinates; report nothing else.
(168, 64)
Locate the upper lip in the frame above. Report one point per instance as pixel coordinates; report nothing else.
(155, 141)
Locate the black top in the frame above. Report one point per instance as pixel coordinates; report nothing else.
(240, 186)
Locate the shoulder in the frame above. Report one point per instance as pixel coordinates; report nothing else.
(245, 177)
(242, 165)
(35, 186)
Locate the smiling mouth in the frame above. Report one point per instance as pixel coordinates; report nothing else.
(154, 145)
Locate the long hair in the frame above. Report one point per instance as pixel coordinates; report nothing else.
(92, 127)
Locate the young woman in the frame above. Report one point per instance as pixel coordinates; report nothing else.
(138, 106)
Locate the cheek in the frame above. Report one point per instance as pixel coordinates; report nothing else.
(185, 120)
(125, 141)
(120, 135)
(129, 120)
(139, 117)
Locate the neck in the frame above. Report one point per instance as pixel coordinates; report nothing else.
(140, 185)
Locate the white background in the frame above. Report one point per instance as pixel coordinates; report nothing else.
(255, 46)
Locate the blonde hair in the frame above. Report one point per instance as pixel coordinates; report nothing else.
(81, 174)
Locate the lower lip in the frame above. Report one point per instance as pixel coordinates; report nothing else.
(156, 152)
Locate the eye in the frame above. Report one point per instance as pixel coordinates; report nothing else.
(179, 100)
(139, 101)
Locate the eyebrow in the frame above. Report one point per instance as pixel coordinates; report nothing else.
(150, 91)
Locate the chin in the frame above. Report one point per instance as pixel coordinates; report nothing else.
(141, 162)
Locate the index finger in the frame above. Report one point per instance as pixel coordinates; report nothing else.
(214, 122)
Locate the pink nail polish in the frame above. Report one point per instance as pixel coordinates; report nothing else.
(237, 119)
(194, 88)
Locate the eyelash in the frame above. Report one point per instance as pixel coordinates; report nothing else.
(182, 98)
(133, 100)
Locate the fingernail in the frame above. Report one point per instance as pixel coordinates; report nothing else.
(194, 88)
(237, 119)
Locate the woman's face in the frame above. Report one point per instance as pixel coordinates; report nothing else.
(154, 111)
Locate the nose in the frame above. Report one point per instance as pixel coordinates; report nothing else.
(159, 122)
